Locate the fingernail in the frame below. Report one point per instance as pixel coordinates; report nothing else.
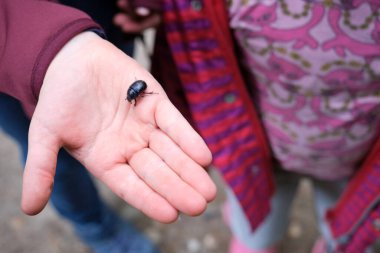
(142, 11)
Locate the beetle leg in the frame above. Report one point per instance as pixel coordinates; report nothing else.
(147, 93)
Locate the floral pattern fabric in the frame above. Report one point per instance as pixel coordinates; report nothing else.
(315, 69)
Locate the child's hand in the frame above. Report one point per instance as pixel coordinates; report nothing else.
(147, 154)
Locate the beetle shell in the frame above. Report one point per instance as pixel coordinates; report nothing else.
(136, 89)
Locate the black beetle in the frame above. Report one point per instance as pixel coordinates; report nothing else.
(136, 89)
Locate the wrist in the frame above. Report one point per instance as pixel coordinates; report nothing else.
(72, 59)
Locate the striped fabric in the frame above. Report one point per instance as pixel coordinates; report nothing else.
(218, 108)
(365, 235)
(355, 220)
(344, 216)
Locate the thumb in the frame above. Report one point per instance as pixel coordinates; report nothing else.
(39, 170)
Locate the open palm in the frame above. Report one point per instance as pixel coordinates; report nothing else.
(147, 153)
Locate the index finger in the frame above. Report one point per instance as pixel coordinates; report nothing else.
(171, 122)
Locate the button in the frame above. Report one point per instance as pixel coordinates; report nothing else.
(230, 98)
(255, 170)
(196, 5)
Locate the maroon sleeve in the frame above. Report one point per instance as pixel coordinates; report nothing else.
(31, 34)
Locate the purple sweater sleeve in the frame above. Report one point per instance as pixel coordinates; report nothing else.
(31, 34)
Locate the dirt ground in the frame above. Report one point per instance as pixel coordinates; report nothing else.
(47, 233)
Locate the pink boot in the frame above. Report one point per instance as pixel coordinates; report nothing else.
(319, 246)
(237, 247)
